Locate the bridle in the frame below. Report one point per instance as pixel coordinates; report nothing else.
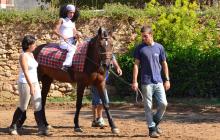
(107, 55)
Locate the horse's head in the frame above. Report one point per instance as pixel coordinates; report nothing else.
(104, 45)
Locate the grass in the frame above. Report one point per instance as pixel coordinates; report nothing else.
(86, 99)
(196, 101)
(120, 100)
(60, 99)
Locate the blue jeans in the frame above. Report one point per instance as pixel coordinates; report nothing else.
(158, 91)
(96, 100)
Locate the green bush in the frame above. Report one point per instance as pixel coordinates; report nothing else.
(188, 35)
(116, 11)
(190, 41)
(31, 16)
(195, 72)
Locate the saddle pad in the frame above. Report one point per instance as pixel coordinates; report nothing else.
(53, 56)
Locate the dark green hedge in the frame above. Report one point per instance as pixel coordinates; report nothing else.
(98, 4)
(193, 54)
(193, 73)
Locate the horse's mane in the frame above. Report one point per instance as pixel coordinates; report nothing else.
(89, 53)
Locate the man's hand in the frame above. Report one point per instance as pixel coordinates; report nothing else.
(119, 71)
(166, 85)
(134, 86)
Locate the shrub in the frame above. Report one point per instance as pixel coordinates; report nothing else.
(191, 44)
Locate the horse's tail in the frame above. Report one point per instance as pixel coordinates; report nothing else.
(37, 50)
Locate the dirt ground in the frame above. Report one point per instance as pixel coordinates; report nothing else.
(180, 123)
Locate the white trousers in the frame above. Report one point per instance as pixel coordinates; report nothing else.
(71, 51)
(25, 96)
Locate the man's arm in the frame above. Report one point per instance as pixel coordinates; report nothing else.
(117, 67)
(135, 74)
(166, 74)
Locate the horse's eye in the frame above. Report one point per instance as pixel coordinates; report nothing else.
(105, 34)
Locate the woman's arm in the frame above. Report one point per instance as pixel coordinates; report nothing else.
(117, 67)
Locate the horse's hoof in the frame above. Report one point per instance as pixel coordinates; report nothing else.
(115, 131)
(78, 130)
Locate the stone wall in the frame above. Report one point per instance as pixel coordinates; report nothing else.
(11, 35)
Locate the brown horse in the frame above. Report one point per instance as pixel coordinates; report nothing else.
(98, 58)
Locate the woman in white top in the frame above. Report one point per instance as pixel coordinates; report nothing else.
(66, 30)
(29, 88)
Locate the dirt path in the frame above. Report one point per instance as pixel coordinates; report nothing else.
(183, 123)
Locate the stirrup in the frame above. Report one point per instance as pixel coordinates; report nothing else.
(65, 68)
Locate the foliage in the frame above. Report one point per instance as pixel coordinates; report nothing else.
(96, 4)
(31, 16)
(116, 11)
(188, 34)
(191, 45)
(195, 72)
(122, 11)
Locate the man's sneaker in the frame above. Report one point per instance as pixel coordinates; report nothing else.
(101, 122)
(98, 123)
(153, 133)
(43, 131)
(13, 131)
(94, 123)
(158, 130)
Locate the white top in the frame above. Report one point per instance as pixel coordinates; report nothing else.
(67, 28)
(32, 71)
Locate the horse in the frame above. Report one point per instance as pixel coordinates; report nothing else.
(98, 57)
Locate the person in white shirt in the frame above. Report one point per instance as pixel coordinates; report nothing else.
(66, 30)
(29, 88)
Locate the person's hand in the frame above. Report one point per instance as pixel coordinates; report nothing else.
(134, 86)
(166, 85)
(119, 71)
(32, 90)
(65, 39)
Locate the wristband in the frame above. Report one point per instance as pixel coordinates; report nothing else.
(167, 79)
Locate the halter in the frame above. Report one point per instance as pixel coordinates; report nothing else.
(107, 55)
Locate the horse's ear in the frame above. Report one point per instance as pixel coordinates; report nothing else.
(111, 32)
(100, 31)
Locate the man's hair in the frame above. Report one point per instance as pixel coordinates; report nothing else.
(146, 29)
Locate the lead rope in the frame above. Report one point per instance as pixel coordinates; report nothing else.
(125, 82)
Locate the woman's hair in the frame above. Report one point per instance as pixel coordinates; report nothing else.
(27, 41)
(64, 11)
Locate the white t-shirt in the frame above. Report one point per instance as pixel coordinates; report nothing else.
(66, 28)
(32, 70)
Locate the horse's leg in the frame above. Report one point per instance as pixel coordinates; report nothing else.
(46, 82)
(80, 91)
(101, 90)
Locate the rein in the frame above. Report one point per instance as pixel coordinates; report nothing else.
(128, 84)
